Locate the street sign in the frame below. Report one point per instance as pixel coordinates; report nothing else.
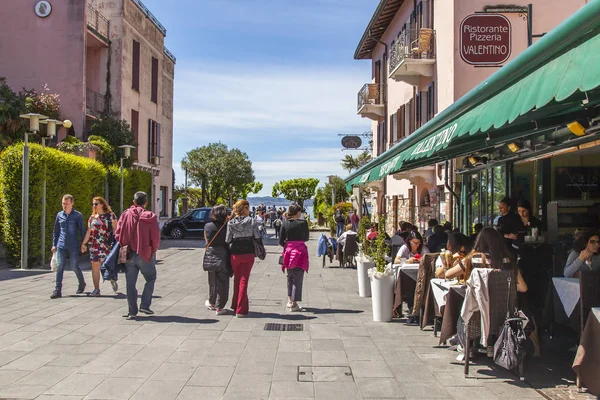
(351, 142)
(485, 39)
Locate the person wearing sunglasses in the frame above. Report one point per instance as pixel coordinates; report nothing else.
(584, 255)
(100, 236)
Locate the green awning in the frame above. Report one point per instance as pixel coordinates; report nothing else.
(554, 77)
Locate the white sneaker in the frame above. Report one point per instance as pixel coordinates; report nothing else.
(289, 304)
(209, 306)
(297, 308)
(221, 311)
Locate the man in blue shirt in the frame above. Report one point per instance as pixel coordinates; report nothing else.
(66, 241)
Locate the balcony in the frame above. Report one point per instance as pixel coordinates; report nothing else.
(412, 56)
(371, 101)
(95, 103)
(98, 27)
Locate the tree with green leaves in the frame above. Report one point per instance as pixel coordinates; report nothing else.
(351, 163)
(323, 195)
(218, 171)
(298, 189)
(108, 133)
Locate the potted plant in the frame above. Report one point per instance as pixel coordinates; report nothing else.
(363, 260)
(382, 278)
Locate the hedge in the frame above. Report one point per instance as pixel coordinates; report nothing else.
(82, 177)
(133, 181)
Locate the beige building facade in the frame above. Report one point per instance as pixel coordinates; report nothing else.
(99, 56)
(420, 66)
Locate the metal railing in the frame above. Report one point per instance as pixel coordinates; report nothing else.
(97, 21)
(95, 103)
(371, 93)
(170, 55)
(151, 16)
(413, 44)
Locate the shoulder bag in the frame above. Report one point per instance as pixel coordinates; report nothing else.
(124, 251)
(508, 350)
(214, 257)
(259, 249)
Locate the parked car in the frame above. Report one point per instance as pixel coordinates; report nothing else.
(190, 224)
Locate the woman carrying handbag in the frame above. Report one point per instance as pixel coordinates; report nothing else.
(216, 260)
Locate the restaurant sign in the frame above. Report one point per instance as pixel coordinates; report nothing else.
(436, 141)
(351, 142)
(485, 39)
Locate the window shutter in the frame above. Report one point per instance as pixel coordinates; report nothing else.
(154, 92)
(135, 127)
(401, 116)
(157, 152)
(150, 148)
(135, 79)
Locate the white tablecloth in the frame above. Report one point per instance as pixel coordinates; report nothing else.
(411, 270)
(568, 293)
(440, 288)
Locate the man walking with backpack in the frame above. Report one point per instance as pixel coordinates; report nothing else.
(138, 235)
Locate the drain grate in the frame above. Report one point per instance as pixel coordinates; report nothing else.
(284, 327)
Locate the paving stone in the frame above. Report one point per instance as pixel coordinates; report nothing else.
(292, 389)
(211, 376)
(18, 391)
(77, 384)
(8, 377)
(370, 369)
(47, 376)
(174, 372)
(204, 393)
(336, 390)
(116, 388)
(158, 390)
(29, 362)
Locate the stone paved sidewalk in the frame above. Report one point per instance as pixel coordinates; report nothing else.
(80, 347)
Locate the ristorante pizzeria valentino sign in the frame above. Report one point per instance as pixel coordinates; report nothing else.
(485, 39)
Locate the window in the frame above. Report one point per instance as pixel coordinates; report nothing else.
(135, 127)
(153, 140)
(154, 92)
(135, 79)
(401, 122)
(164, 204)
(431, 101)
(199, 215)
(393, 131)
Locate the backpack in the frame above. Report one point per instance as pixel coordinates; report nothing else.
(277, 222)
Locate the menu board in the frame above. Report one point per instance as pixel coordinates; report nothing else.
(571, 182)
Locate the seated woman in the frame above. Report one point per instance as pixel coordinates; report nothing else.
(372, 232)
(457, 247)
(585, 254)
(489, 251)
(437, 241)
(414, 245)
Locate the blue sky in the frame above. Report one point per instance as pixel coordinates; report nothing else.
(274, 78)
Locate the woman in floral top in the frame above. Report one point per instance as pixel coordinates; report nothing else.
(101, 225)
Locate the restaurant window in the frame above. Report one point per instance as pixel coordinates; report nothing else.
(154, 91)
(135, 78)
(135, 128)
(499, 189)
(153, 140)
(430, 101)
(164, 201)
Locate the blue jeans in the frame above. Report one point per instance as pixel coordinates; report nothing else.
(340, 229)
(73, 261)
(132, 269)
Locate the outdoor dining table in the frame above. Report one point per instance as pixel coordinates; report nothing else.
(587, 360)
(449, 297)
(405, 277)
(566, 295)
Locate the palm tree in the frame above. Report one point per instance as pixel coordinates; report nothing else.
(350, 162)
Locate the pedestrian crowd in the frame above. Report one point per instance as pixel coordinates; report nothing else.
(131, 242)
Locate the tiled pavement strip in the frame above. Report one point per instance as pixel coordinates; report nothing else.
(80, 347)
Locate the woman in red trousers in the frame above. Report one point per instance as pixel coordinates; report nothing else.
(241, 232)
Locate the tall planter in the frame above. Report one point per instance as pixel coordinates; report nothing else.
(363, 265)
(382, 290)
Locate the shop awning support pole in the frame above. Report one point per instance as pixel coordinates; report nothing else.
(447, 186)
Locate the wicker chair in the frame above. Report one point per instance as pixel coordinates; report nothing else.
(498, 295)
(423, 44)
(589, 286)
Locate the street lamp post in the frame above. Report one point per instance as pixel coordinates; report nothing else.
(126, 154)
(34, 126)
(50, 133)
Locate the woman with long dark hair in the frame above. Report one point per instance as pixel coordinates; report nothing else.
(585, 254)
(294, 234)
(216, 260)
(414, 245)
(457, 247)
(242, 230)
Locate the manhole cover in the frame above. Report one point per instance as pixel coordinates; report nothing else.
(284, 327)
(325, 374)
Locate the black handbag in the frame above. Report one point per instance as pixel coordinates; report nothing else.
(259, 249)
(509, 350)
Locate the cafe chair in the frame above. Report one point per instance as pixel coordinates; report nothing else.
(498, 295)
(423, 44)
(348, 253)
(589, 289)
(395, 243)
(423, 300)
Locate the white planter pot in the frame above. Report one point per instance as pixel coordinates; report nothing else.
(382, 289)
(362, 268)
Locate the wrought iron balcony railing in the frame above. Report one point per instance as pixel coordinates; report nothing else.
(97, 22)
(151, 16)
(95, 103)
(416, 44)
(170, 55)
(370, 94)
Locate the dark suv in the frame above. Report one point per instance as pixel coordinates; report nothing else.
(190, 224)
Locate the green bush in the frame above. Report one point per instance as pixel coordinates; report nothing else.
(134, 181)
(65, 173)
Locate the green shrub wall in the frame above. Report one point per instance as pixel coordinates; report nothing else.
(82, 177)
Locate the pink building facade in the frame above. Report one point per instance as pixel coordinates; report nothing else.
(84, 51)
(418, 70)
